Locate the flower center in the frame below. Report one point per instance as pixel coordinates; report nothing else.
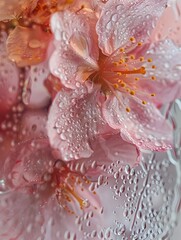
(72, 189)
(124, 71)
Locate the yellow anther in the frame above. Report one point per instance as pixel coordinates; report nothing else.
(139, 44)
(144, 102)
(128, 109)
(115, 85)
(132, 92)
(143, 71)
(121, 61)
(116, 64)
(137, 79)
(153, 94)
(132, 39)
(119, 74)
(121, 49)
(132, 57)
(150, 60)
(153, 78)
(123, 84)
(153, 66)
(141, 59)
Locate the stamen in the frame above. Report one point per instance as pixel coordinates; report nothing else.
(121, 49)
(139, 44)
(153, 78)
(139, 70)
(132, 39)
(128, 109)
(116, 86)
(144, 102)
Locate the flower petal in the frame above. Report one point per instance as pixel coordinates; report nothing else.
(35, 94)
(76, 53)
(27, 163)
(121, 20)
(168, 25)
(144, 126)
(74, 120)
(33, 125)
(9, 78)
(167, 85)
(21, 216)
(116, 149)
(27, 46)
(14, 8)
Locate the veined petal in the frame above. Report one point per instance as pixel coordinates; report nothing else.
(75, 51)
(122, 19)
(143, 125)
(35, 94)
(15, 206)
(27, 46)
(74, 120)
(116, 149)
(14, 8)
(9, 78)
(167, 84)
(27, 163)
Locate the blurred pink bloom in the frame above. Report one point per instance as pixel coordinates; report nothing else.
(43, 196)
(114, 78)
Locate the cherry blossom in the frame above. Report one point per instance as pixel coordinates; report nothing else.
(114, 74)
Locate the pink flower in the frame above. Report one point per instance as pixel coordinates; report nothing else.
(44, 197)
(114, 78)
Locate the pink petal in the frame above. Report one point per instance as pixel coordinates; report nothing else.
(33, 125)
(76, 53)
(167, 85)
(74, 120)
(168, 25)
(35, 93)
(14, 8)
(9, 78)
(121, 20)
(27, 163)
(27, 46)
(116, 149)
(143, 126)
(21, 216)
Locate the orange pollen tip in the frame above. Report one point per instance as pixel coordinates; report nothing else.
(119, 74)
(132, 92)
(132, 39)
(128, 109)
(153, 78)
(137, 79)
(153, 66)
(132, 57)
(121, 61)
(116, 64)
(144, 102)
(141, 59)
(123, 84)
(116, 86)
(120, 81)
(152, 94)
(150, 60)
(140, 44)
(121, 49)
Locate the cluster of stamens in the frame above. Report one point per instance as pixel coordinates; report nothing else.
(126, 74)
(70, 187)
